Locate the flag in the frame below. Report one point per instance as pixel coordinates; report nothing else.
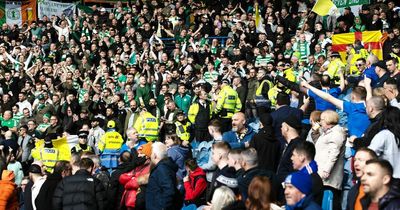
(259, 25)
(13, 12)
(372, 41)
(325, 7)
(63, 144)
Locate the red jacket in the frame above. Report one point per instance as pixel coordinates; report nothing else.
(129, 181)
(8, 193)
(194, 190)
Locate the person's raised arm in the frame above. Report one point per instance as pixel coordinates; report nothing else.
(326, 96)
(368, 88)
(342, 84)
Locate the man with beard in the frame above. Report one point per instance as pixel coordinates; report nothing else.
(95, 133)
(240, 135)
(153, 109)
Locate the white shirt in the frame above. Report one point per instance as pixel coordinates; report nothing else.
(36, 189)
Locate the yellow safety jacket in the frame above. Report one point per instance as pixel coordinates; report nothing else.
(147, 126)
(182, 130)
(363, 53)
(260, 87)
(110, 141)
(49, 157)
(194, 110)
(273, 93)
(290, 75)
(78, 148)
(333, 68)
(228, 102)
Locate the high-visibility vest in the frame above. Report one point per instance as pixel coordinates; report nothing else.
(333, 68)
(260, 100)
(78, 148)
(49, 157)
(147, 126)
(111, 141)
(194, 110)
(182, 130)
(228, 100)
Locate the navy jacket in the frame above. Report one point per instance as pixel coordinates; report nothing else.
(280, 115)
(390, 201)
(162, 187)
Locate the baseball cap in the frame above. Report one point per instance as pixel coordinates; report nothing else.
(111, 124)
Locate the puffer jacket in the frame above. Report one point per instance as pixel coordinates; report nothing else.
(79, 191)
(8, 192)
(131, 185)
(330, 155)
(390, 201)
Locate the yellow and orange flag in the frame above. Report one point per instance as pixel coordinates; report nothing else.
(372, 41)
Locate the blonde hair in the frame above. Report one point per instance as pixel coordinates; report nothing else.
(330, 117)
(223, 196)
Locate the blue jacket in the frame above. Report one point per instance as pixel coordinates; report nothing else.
(179, 154)
(306, 203)
(233, 139)
(161, 189)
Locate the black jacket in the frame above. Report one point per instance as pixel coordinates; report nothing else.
(115, 190)
(46, 192)
(268, 149)
(80, 191)
(285, 165)
(390, 201)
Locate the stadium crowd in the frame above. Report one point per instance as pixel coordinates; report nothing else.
(188, 104)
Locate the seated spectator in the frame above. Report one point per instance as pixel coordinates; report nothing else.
(177, 153)
(259, 194)
(195, 184)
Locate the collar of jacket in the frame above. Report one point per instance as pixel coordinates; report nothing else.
(310, 168)
(302, 204)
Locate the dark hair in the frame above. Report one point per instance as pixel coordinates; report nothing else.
(86, 163)
(61, 165)
(307, 149)
(326, 80)
(259, 193)
(191, 164)
(391, 120)
(369, 151)
(126, 157)
(384, 164)
(391, 81)
(282, 99)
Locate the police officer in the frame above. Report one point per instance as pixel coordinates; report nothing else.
(109, 145)
(335, 67)
(228, 103)
(82, 145)
(182, 128)
(48, 154)
(147, 126)
(200, 114)
(262, 101)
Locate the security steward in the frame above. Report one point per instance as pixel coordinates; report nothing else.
(183, 128)
(147, 126)
(48, 154)
(200, 114)
(82, 145)
(227, 104)
(109, 145)
(261, 99)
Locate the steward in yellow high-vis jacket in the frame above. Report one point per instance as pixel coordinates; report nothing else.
(109, 146)
(147, 126)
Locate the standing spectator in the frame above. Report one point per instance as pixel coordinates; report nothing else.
(260, 194)
(182, 99)
(381, 189)
(35, 175)
(8, 192)
(357, 191)
(266, 145)
(195, 184)
(303, 160)
(386, 142)
(330, 154)
(290, 131)
(298, 192)
(81, 190)
(241, 134)
(162, 180)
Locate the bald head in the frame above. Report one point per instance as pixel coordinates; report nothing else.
(238, 122)
(375, 105)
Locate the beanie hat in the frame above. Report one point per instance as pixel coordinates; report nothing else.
(266, 119)
(293, 122)
(301, 181)
(145, 149)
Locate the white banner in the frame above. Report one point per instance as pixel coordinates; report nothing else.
(50, 8)
(13, 13)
